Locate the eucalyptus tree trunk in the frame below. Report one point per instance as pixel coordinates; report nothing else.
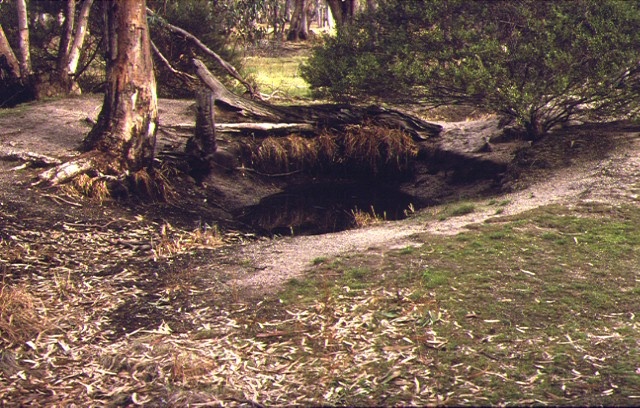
(8, 60)
(126, 128)
(299, 29)
(343, 11)
(79, 36)
(61, 77)
(71, 41)
(23, 39)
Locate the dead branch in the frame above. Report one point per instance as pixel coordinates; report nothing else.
(250, 128)
(183, 76)
(228, 67)
(222, 94)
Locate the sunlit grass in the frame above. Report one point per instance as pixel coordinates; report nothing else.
(278, 76)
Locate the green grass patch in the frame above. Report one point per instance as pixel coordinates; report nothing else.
(434, 278)
(278, 76)
(319, 260)
(457, 211)
(538, 308)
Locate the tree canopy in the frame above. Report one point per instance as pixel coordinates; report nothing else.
(537, 62)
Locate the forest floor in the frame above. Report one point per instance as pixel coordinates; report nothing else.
(140, 303)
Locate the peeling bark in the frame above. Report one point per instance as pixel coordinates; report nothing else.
(67, 171)
(126, 126)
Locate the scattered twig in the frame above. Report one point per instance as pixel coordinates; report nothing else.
(34, 159)
(58, 198)
(268, 174)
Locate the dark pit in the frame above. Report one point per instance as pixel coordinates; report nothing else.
(323, 208)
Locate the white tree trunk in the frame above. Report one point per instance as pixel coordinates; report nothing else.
(23, 39)
(65, 38)
(5, 51)
(79, 36)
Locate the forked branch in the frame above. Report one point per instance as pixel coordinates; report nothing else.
(228, 67)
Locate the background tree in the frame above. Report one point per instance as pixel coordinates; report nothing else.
(23, 38)
(48, 39)
(538, 63)
(71, 42)
(9, 65)
(299, 28)
(343, 10)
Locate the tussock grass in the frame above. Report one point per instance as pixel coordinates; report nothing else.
(363, 218)
(379, 147)
(96, 188)
(155, 185)
(361, 149)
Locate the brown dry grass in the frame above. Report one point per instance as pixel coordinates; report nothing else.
(154, 185)
(369, 148)
(363, 218)
(174, 241)
(379, 147)
(19, 320)
(93, 187)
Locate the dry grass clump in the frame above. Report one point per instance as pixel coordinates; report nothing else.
(364, 218)
(378, 148)
(291, 153)
(155, 184)
(101, 188)
(19, 320)
(96, 188)
(173, 241)
(367, 148)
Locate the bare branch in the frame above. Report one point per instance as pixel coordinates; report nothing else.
(228, 67)
(183, 76)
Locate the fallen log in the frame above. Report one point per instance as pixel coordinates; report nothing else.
(318, 117)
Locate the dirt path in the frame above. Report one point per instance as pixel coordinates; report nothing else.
(56, 128)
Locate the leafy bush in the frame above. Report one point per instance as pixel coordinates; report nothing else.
(539, 63)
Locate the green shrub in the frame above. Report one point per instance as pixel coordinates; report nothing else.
(539, 63)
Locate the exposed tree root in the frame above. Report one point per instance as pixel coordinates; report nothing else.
(68, 170)
(94, 175)
(29, 158)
